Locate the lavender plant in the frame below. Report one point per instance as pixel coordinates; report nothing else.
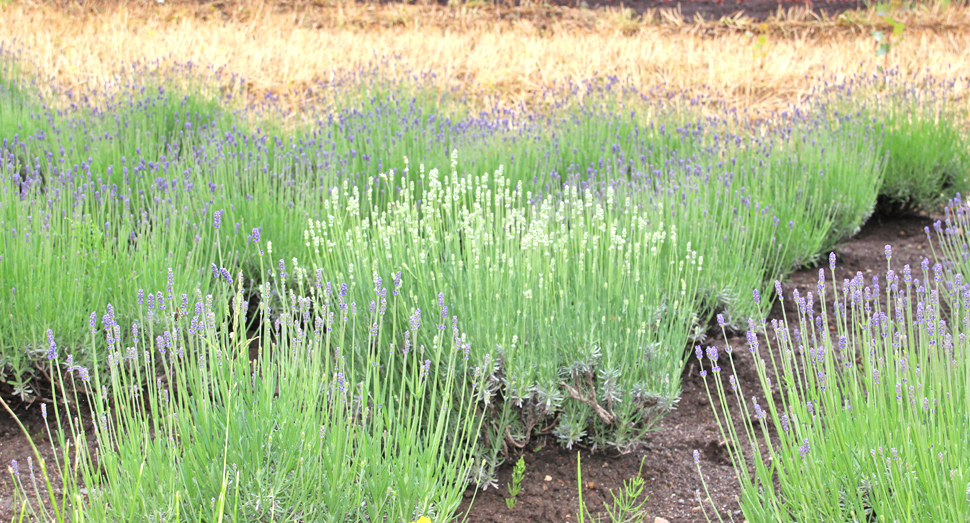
(74, 243)
(334, 419)
(571, 286)
(864, 403)
(920, 122)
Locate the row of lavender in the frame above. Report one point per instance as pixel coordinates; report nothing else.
(618, 225)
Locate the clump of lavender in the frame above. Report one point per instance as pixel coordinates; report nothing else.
(869, 419)
(300, 432)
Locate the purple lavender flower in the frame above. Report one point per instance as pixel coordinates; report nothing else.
(752, 340)
(217, 219)
(778, 290)
(712, 353)
(14, 467)
(720, 320)
(93, 322)
(52, 348)
(697, 457)
(804, 449)
(889, 252)
(255, 235)
(141, 296)
(734, 382)
(415, 320)
(759, 413)
(832, 261)
(785, 423)
(757, 296)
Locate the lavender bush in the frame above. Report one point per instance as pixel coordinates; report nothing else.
(338, 418)
(864, 419)
(921, 122)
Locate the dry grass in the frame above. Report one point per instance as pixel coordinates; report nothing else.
(509, 53)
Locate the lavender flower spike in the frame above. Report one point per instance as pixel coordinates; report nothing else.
(52, 349)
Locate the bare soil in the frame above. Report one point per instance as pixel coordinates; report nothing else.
(549, 492)
(712, 10)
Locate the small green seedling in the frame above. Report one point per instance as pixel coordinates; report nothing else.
(625, 508)
(517, 474)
